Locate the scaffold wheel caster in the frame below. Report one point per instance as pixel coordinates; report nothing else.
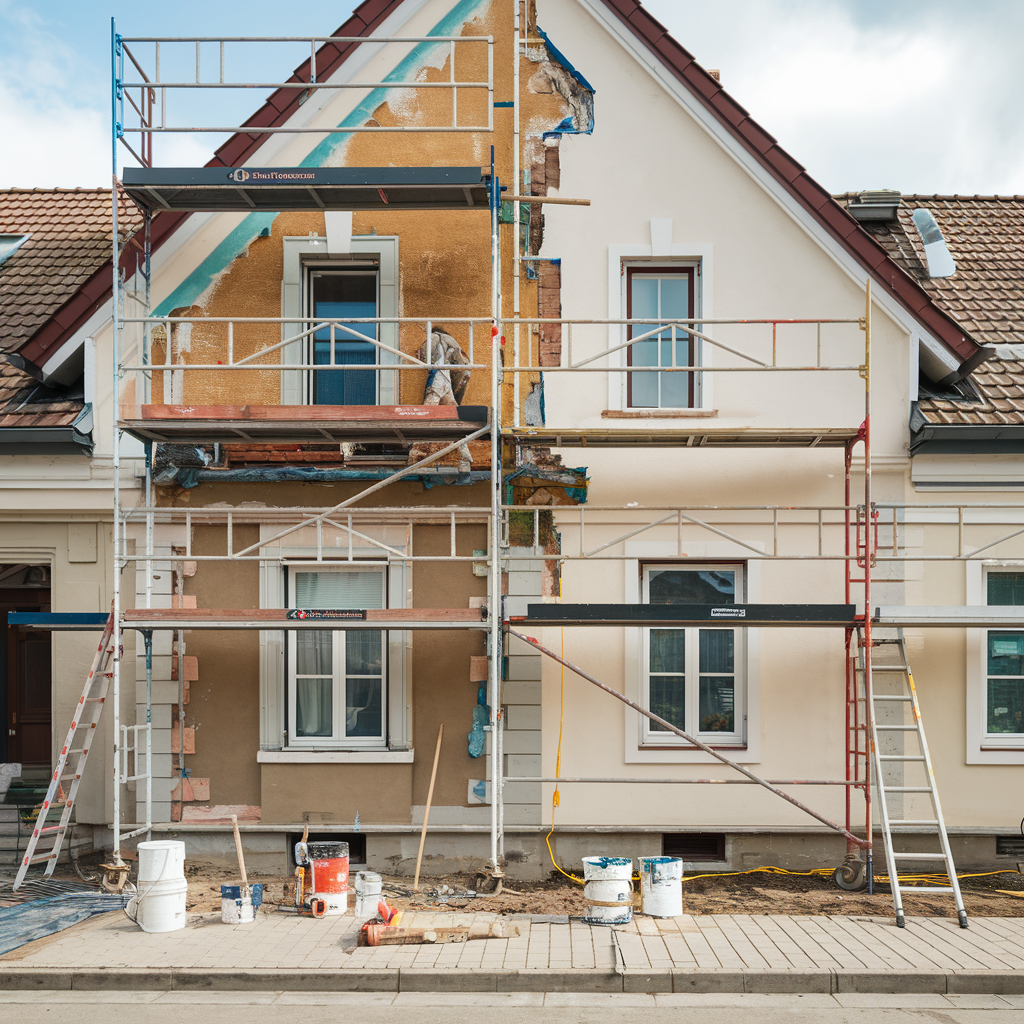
(851, 875)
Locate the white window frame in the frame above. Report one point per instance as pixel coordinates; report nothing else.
(300, 253)
(747, 661)
(984, 747)
(651, 737)
(273, 661)
(663, 249)
(337, 740)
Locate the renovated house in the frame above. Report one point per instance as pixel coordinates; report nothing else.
(683, 358)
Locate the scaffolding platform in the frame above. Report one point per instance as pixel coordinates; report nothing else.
(669, 615)
(279, 189)
(304, 618)
(681, 437)
(272, 424)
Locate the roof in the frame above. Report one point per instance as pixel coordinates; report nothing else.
(985, 236)
(24, 402)
(43, 283)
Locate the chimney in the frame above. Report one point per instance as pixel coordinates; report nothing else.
(878, 204)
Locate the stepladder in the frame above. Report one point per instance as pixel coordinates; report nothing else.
(910, 812)
(46, 840)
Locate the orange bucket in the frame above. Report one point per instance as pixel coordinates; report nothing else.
(329, 868)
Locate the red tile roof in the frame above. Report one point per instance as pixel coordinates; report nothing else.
(42, 283)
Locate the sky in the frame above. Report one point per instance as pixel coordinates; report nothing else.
(915, 95)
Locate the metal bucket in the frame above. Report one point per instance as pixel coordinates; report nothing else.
(328, 863)
(661, 883)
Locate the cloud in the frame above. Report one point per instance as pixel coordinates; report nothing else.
(902, 96)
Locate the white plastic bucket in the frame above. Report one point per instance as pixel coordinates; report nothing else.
(159, 906)
(236, 911)
(661, 883)
(368, 887)
(609, 881)
(162, 860)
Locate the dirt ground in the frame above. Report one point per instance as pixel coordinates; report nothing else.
(759, 892)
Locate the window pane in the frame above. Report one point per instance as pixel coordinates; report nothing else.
(1006, 705)
(313, 652)
(1006, 654)
(341, 590)
(675, 297)
(314, 707)
(667, 701)
(716, 650)
(335, 297)
(668, 650)
(717, 704)
(644, 390)
(362, 652)
(1006, 588)
(363, 707)
(644, 300)
(692, 586)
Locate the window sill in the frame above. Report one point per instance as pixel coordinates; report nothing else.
(334, 756)
(658, 414)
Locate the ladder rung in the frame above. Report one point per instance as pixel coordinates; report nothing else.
(925, 888)
(906, 789)
(94, 700)
(896, 728)
(886, 696)
(40, 857)
(913, 821)
(900, 757)
(918, 856)
(888, 668)
(51, 828)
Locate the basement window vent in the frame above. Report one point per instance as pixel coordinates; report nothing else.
(693, 846)
(1010, 846)
(356, 845)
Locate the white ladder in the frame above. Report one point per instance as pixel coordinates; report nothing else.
(83, 728)
(898, 724)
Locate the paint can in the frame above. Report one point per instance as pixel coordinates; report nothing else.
(661, 884)
(328, 863)
(368, 887)
(238, 907)
(608, 889)
(159, 904)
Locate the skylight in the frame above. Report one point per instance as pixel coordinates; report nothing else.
(9, 244)
(940, 261)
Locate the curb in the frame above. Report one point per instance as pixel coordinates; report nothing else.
(979, 982)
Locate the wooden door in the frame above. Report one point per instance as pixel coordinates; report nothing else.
(29, 682)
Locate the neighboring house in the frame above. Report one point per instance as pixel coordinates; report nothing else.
(55, 471)
(697, 479)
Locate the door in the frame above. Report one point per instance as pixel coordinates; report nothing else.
(25, 665)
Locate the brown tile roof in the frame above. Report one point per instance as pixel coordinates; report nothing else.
(24, 402)
(69, 244)
(985, 236)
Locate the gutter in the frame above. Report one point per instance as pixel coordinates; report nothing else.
(75, 439)
(928, 438)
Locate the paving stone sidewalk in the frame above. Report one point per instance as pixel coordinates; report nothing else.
(688, 953)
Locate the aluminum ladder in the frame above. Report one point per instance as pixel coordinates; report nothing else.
(891, 708)
(83, 728)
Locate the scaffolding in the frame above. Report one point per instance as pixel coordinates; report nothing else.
(148, 364)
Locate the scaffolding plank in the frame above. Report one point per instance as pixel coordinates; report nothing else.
(297, 423)
(986, 616)
(304, 618)
(696, 436)
(62, 621)
(664, 615)
(307, 188)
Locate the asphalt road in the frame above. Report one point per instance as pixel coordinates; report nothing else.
(434, 1008)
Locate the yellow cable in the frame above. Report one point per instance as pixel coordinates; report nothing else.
(555, 797)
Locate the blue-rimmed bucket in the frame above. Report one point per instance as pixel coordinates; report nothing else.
(661, 883)
(608, 889)
(237, 907)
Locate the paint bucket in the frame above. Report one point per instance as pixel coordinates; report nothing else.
(237, 907)
(159, 904)
(328, 864)
(608, 889)
(661, 883)
(368, 887)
